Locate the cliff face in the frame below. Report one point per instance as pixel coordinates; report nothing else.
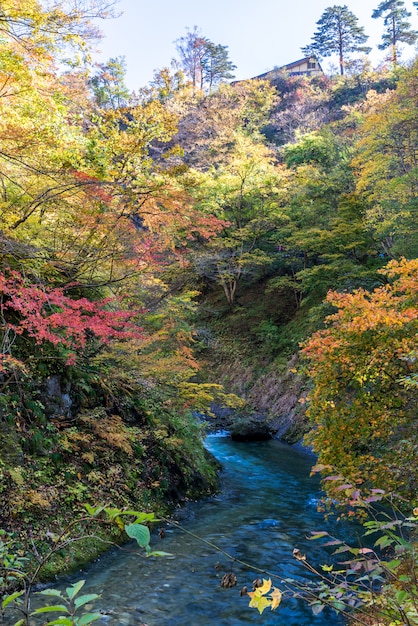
(252, 351)
(275, 400)
(280, 395)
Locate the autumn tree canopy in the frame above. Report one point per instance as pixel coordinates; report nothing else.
(363, 366)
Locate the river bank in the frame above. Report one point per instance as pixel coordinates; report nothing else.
(142, 464)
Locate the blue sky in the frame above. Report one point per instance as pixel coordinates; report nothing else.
(260, 34)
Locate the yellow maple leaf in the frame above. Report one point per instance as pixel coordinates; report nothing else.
(258, 602)
(264, 588)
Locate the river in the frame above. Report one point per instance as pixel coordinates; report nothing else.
(267, 507)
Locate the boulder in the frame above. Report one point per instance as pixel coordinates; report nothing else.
(255, 428)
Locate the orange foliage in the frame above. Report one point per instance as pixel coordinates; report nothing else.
(363, 366)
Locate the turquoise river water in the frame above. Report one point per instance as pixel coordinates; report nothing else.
(267, 507)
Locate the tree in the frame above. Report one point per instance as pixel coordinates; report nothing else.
(243, 191)
(204, 62)
(192, 50)
(108, 84)
(216, 65)
(37, 30)
(363, 366)
(165, 84)
(385, 164)
(397, 27)
(338, 33)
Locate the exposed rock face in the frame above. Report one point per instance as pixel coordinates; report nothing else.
(281, 395)
(275, 399)
(254, 428)
(57, 401)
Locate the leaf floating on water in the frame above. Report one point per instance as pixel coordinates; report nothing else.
(265, 587)
(160, 553)
(259, 602)
(276, 598)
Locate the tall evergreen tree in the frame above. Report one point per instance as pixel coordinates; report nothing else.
(397, 27)
(217, 67)
(338, 33)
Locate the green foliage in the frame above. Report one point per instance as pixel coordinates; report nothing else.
(386, 167)
(216, 65)
(71, 603)
(108, 84)
(311, 148)
(338, 33)
(397, 27)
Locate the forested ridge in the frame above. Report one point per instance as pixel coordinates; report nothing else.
(197, 244)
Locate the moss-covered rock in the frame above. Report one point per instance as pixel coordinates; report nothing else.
(254, 428)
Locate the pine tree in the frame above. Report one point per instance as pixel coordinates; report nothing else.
(217, 67)
(397, 27)
(338, 33)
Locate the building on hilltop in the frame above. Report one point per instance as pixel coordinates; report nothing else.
(308, 66)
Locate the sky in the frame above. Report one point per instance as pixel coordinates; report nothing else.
(260, 34)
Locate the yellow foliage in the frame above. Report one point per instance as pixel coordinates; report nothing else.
(16, 476)
(110, 428)
(363, 368)
(96, 478)
(200, 396)
(174, 442)
(37, 498)
(260, 599)
(276, 596)
(73, 440)
(88, 456)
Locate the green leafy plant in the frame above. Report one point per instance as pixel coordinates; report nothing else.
(17, 578)
(70, 607)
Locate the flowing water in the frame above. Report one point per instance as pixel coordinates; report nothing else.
(267, 506)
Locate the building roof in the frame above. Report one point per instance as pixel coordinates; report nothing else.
(310, 58)
(289, 67)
